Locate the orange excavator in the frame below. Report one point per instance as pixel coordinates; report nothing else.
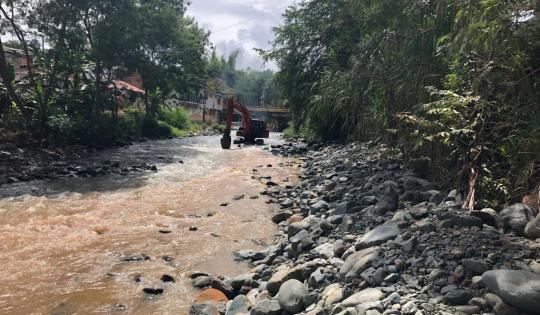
(252, 130)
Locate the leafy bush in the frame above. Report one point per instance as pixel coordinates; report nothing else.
(177, 117)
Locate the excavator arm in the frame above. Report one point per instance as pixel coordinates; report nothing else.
(246, 131)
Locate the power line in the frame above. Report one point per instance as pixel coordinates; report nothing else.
(247, 20)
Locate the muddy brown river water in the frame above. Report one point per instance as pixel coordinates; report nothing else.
(62, 243)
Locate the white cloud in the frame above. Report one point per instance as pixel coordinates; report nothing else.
(240, 24)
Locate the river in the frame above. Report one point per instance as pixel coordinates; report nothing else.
(63, 243)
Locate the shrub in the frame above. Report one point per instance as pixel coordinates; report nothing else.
(177, 117)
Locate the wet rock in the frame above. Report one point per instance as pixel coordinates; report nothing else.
(291, 296)
(167, 278)
(247, 254)
(364, 296)
(379, 235)
(135, 258)
(153, 291)
(499, 306)
(240, 305)
(267, 307)
(193, 228)
(516, 217)
(357, 262)
(520, 289)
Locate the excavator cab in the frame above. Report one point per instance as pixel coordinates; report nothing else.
(252, 130)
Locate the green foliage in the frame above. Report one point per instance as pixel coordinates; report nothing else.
(177, 117)
(454, 83)
(90, 44)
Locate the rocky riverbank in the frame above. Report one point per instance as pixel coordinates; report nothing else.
(24, 162)
(360, 234)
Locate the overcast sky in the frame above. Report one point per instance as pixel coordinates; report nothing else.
(240, 24)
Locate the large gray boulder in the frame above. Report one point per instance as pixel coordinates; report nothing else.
(292, 295)
(518, 288)
(516, 217)
(389, 202)
(379, 235)
(532, 229)
(357, 262)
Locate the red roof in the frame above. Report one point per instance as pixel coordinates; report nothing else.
(123, 85)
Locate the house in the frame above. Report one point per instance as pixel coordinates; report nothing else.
(17, 59)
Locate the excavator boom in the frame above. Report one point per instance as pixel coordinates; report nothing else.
(251, 130)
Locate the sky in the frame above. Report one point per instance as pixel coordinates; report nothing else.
(240, 24)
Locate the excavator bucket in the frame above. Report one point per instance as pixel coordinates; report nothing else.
(226, 140)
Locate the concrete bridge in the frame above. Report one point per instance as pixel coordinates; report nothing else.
(277, 118)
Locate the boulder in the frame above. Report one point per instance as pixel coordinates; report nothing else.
(332, 294)
(365, 296)
(516, 217)
(281, 216)
(211, 296)
(532, 229)
(379, 235)
(291, 296)
(475, 267)
(487, 215)
(518, 288)
(357, 262)
(411, 183)
(389, 201)
(281, 276)
(267, 307)
(240, 305)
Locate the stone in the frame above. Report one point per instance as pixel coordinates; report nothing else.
(282, 276)
(357, 262)
(475, 267)
(167, 278)
(287, 203)
(325, 250)
(332, 294)
(516, 217)
(389, 201)
(267, 307)
(532, 229)
(203, 309)
(365, 296)
(212, 296)
(240, 305)
(468, 309)
(487, 215)
(411, 183)
(518, 288)
(291, 296)
(247, 254)
(281, 216)
(202, 282)
(409, 308)
(458, 297)
(379, 235)
(452, 219)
